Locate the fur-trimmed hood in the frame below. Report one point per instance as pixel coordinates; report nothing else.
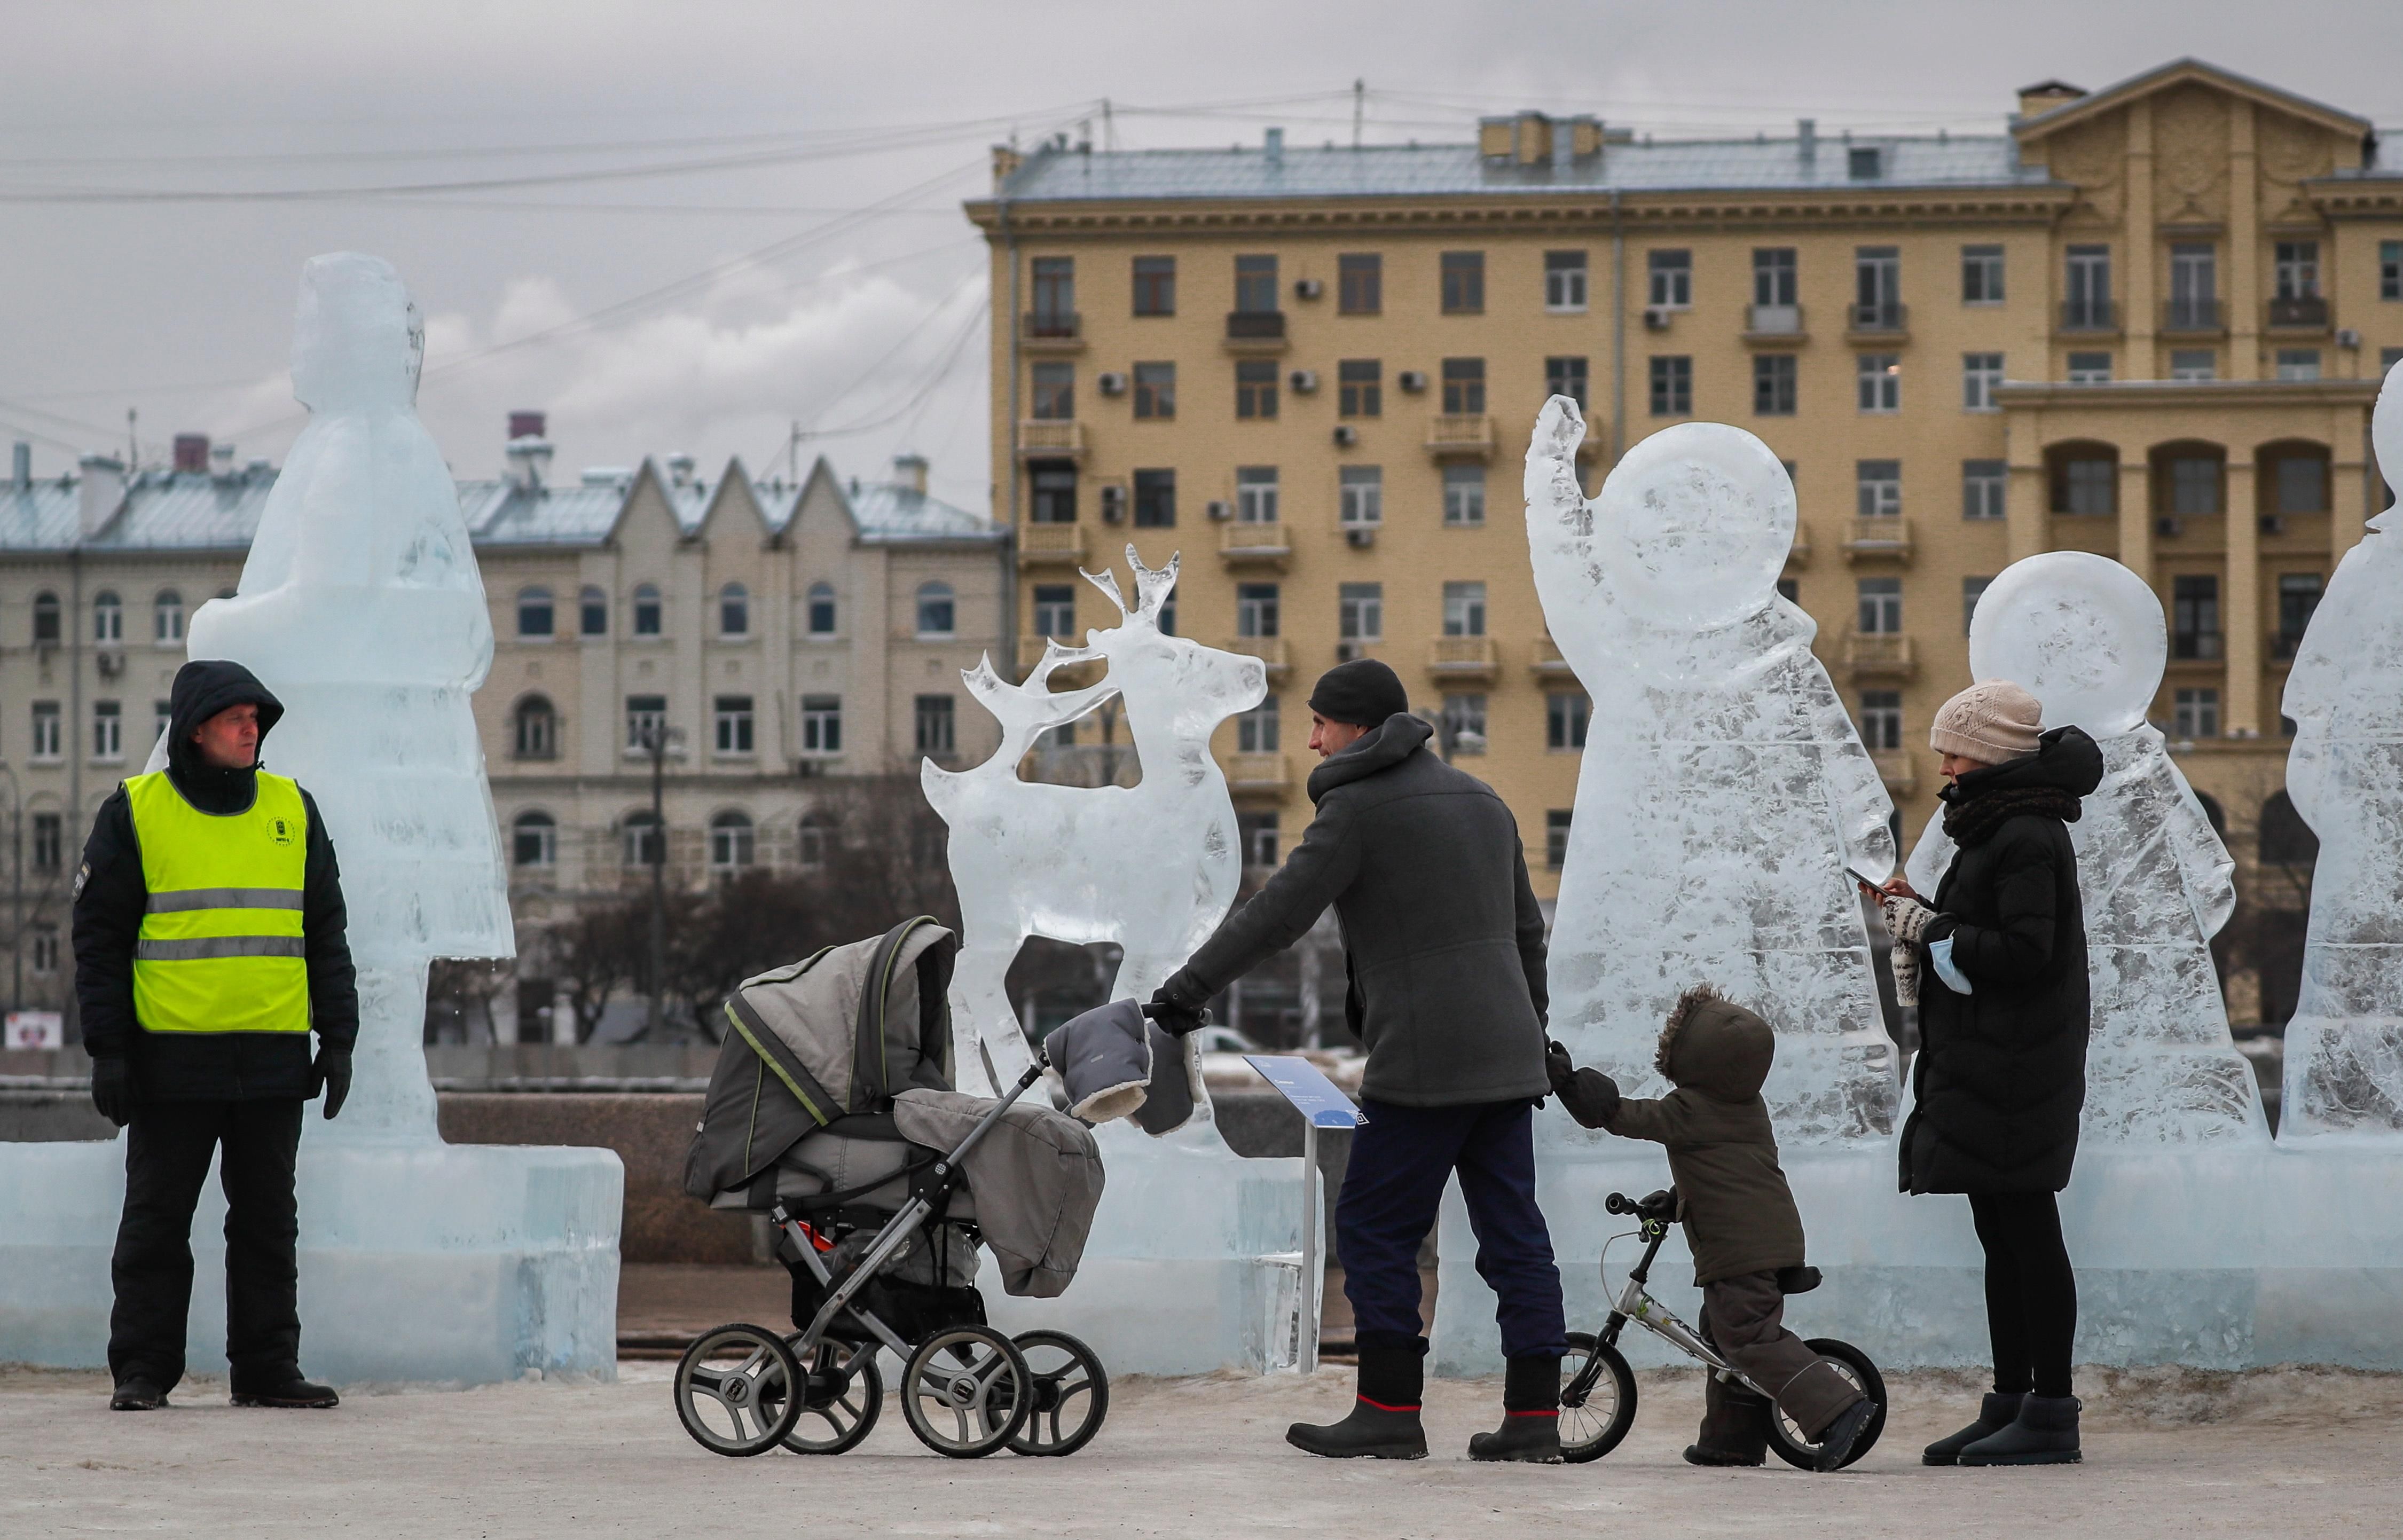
(1715, 1048)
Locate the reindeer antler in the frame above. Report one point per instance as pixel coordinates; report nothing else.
(1107, 581)
(1026, 709)
(1152, 588)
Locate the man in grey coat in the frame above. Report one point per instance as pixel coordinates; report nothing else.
(1445, 951)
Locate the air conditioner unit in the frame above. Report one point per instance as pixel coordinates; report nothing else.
(1413, 381)
(2348, 336)
(2166, 529)
(1112, 384)
(1309, 289)
(1302, 381)
(1346, 435)
(1350, 652)
(2272, 524)
(1221, 512)
(1656, 317)
(111, 663)
(1361, 536)
(1113, 503)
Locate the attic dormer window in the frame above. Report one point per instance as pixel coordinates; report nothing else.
(1865, 162)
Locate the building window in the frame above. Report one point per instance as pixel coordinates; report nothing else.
(1154, 285)
(1878, 488)
(167, 617)
(1981, 275)
(1972, 590)
(1360, 496)
(534, 614)
(2085, 298)
(816, 841)
(934, 715)
(1863, 163)
(937, 610)
(49, 841)
(2196, 714)
(647, 611)
(45, 949)
(733, 724)
(1155, 499)
(1257, 832)
(1672, 386)
(2085, 482)
(1255, 285)
(1055, 609)
(1879, 377)
(1464, 283)
(646, 722)
(1463, 609)
(2194, 484)
(1564, 720)
(1256, 388)
(2194, 363)
(1360, 611)
(537, 726)
(1055, 393)
(1563, 282)
(1556, 837)
(1155, 392)
(1567, 377)
(1879, 601)
(2298, 595)
(592, 617)
(1775, 277)
(107, 729)
(2194, 619)
(821, 609)
(2298, 363)
(1983, 485)
(533, 841)
(821, 724)
(1255, 610)
(1359, 282)
(1256, 494)
(2298, 270)
(1055, 295)
(734, 610)
(645, 841)
(1464, 495)
(46, 729)
(162, 716)
(2194, 286)
(1464, 387)
(1360, 388)
(1464, 722)
(1053, 485)
(1789, 589)
(1980, 372)
(732, 842)
(1672, 280)
(1774, 389)
(1880, 719)
(46, 617)
(1255, 730)
(107, 618)
(2303, 484)
(2089, 368)
(1877, 288)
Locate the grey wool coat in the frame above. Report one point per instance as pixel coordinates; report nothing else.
(1442, 936)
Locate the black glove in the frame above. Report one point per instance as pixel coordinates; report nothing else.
(1178, 1004)
(112, 1090)
(331, 1073)
(1558, 1066)
(1590, 1096)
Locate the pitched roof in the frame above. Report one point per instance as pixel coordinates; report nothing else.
(2176, 71)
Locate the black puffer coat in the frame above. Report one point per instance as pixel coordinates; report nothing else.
(2001, 1073)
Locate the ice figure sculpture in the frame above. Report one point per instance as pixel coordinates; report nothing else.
(1724, 798)
(1193, 1260)
(360, 606)
(2345, 1044)
(2086, 636)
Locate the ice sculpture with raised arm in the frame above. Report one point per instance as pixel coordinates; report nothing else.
(2086, 636)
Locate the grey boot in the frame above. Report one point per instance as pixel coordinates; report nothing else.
(2043, 1434)
(1994, 1415)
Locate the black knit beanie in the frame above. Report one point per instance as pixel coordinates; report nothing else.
(1363, 692)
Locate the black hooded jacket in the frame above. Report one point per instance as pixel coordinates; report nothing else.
(1442, 933)
(2000, 1079)
(110, 897)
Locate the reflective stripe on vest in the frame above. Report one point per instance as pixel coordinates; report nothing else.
(220, 948)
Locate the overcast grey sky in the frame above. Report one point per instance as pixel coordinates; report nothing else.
(180, 307)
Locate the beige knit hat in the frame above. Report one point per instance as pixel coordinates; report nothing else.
(1989, 723)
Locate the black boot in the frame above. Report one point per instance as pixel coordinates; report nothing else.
(135, 1393)
(1995, 1414)
(2044, 1433)
(1836, 1440)
(1384, 1420)
(1531, 1414)
(295, 1392)
(1735, 1427)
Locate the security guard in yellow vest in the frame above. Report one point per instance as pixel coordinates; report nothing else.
(209, 946)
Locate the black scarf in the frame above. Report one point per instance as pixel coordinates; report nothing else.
(1972, 815)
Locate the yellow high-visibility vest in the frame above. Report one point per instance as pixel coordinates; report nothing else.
(220, 948)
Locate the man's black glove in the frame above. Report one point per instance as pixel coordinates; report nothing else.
(112, 1090)
(1590, 1096)
(1178, 1004)
(331, 1073)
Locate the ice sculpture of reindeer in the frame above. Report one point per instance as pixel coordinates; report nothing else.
(1152, 867)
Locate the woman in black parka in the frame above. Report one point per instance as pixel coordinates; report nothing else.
(2001, 1073)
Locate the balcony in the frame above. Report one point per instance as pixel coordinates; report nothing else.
(2299, 313)
(1050, 545)
(1051, 438)
(1878, 539)
(2193, 318)
(1888, 321)
(1051, 331)
(1255, 545)
(1270, 650)
(2196, 646)
(1545, 660)
(1898, 769)
(1460, 436)
(1462, 657)
(1258, 773)
(2090, 317)
(1773, 326)
(1879, 655)
(1798, 554)
(1256, 331)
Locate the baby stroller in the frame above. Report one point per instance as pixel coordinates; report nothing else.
(832, 1112)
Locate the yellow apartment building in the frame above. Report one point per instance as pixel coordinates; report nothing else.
(2146, 321)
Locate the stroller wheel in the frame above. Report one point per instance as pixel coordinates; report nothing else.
(844, 1391)
(966, 1391)
(1070, 1397)
(734, 1390)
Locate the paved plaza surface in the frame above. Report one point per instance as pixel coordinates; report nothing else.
(2169, 1453)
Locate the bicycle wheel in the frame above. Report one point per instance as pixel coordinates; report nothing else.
(1594, 1419)
(844, 1393)
(965, 1391)
(1854, 1365)
(1071, 1393)
(734, 1390)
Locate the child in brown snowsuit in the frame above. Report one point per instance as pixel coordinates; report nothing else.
(1740, 1223)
